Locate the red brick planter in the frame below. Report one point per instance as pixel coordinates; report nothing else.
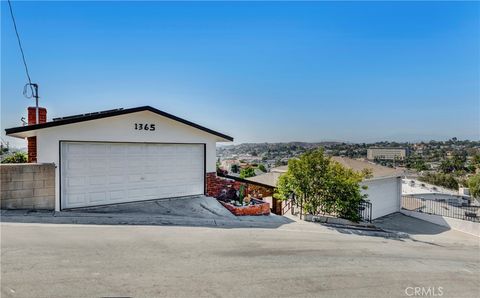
(259, 208)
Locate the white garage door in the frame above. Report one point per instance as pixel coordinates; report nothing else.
(108, 173)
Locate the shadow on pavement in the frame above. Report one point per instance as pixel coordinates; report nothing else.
(406, 224)
(370, 232)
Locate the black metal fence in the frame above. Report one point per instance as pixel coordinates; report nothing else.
(292, 205)
(365, 211)
(442, 208)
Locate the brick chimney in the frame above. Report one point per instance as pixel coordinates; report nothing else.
(32, 141)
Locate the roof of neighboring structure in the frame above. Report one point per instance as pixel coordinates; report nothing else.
(110, 113)
(387, 148)
(378, 171)
(267, 178)
(281, 169)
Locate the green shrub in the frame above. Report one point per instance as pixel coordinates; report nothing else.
(247, 172)
(440, 179)
(17, 157)
(474, 185)
(262, 168)
(321, 183)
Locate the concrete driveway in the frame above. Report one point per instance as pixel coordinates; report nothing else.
(298, 259)
(186, 211)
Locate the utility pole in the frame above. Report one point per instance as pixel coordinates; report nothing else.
(35, 86)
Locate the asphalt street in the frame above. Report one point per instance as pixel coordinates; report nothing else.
(297, 259)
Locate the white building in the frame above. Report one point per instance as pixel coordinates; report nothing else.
(386, 153)
(122, 155)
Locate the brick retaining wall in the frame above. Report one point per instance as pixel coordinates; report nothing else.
(216, 184)
(27, 186)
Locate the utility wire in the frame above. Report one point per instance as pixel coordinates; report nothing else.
(23, 54)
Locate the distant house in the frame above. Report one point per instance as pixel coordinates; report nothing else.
(384, 187)
(227, 164)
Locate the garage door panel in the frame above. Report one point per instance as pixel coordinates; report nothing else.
(134, 178)
(76, 148)
(76, 181)
(96, 164)
(95, 197)
(96, 149)
(134, 149)
(76, 164)
(116, 149)
(117, 195)
(105, 173)
(116, 179)
(116, 162)
(77, 198)
(98, 180)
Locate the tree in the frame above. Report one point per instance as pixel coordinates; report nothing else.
(474, 185)
(247, 172)
(262, 168)
(417, 163)
(455, 164)
(235, 168)
(476, 161)
(320, 183)
(17, 157)
(440, 179)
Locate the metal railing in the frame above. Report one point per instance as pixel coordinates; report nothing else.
(287, 206)
(442, 208)
(365, 211)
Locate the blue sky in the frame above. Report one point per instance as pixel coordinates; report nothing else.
(260, 72)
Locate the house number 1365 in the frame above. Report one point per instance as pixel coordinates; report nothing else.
(142, 126)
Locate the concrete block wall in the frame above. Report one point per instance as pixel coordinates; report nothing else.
(27, 186)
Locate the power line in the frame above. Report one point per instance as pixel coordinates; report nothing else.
(23, 54)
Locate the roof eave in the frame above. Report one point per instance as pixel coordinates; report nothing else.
(15, 131)
(382, 177)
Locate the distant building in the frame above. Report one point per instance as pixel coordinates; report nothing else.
(227, 164)
(386, 153)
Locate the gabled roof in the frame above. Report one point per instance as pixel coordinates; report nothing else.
(378, 171)
(106, 114)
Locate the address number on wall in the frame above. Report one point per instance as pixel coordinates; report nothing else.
(144, 126)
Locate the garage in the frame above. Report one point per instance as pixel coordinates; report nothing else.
(121, 155)
(98, 173)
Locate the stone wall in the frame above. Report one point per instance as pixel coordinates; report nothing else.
(27, 186)
(216, 184)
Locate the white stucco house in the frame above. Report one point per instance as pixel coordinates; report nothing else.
(384, 187)
(121, 155)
